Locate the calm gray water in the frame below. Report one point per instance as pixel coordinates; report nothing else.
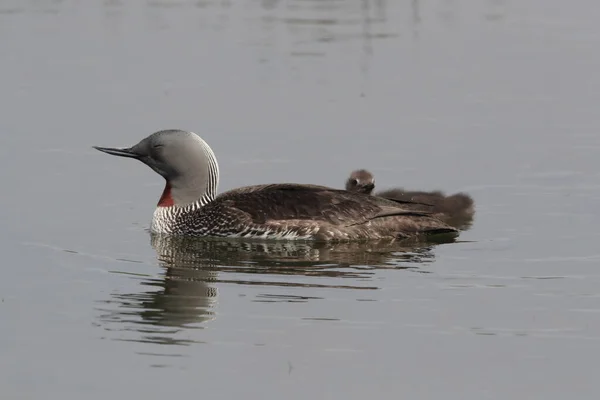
(498, 98)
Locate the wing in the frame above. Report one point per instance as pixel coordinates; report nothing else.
(423, 198)
(280, 202)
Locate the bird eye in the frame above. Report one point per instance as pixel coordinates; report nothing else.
(355, 181)
(157, 146)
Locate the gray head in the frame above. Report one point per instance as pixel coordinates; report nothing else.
(185, 161)
(361, 181)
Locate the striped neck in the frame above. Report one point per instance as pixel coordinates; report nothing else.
(195, 186)
(212, 177)
(192, 180)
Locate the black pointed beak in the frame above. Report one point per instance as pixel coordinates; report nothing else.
(119, 152)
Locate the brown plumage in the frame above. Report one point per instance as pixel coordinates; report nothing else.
(190, 206)
(457, 209)
(311, 212)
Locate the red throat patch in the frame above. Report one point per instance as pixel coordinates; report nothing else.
(166, 200)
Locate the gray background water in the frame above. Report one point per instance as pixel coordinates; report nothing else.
(498, 98)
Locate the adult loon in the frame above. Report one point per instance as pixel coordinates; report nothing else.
(189, 204)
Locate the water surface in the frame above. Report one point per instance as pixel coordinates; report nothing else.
(497, 98)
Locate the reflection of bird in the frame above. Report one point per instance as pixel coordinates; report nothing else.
(189, 204)
(185, 295)
(179, 298)
(457, 209)
(289, 258)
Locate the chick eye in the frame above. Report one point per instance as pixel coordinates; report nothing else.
(355, 181)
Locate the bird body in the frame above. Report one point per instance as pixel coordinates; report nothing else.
(457, 209)
(189, 205)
